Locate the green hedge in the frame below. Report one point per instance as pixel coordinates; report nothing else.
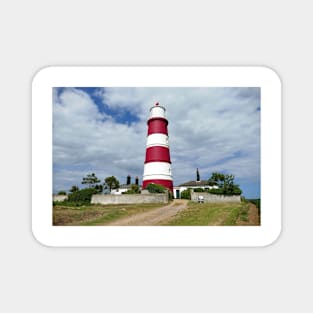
(199, 190)
(133, 190)
(155, 188)
(235, 190)
(82, 196)
(185, 194)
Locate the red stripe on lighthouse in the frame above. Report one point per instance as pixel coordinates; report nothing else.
(157, 126)
(164, 182)
(158, 154)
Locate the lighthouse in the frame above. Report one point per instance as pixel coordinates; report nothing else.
(157, 167)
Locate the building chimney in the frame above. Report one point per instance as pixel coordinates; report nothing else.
(137, 181)
(198, 175)
(128, 180)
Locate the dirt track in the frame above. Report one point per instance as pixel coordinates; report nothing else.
(153, 217)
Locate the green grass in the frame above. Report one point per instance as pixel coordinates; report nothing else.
(90, 215)
(204, 214)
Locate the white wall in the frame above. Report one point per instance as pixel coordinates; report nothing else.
(209, 197)
(118, 191)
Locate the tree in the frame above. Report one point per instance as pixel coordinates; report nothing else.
(99, 188)
(217, 179)
(225, 183)
(62, 192)
(91, 180)
(112, 182)
(74, 188)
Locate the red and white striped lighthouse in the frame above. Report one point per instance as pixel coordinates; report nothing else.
(157, 168)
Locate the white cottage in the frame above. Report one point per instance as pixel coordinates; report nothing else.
(192, 185)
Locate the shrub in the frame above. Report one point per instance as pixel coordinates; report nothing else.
(198, 190)
(185, 194)
(62, 192)
(134, 190)
(82, 196)
(155, 188)
(218, 191)
(74, 188)
(235, 190)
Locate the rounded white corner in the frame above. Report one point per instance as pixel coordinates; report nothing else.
(271, 74)
(274, 238)
(42, 73)
(38, 239)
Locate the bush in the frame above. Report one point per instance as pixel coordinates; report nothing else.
(155, 188)
(198, 190)
(218, 191)
(134, 190)
(235, 190)
(82, 196)
(185, 194)
(62, 192)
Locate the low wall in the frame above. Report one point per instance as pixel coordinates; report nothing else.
(209, 197)
(129, 199)
(59, 197)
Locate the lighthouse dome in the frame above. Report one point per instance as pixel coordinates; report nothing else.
(157, 111)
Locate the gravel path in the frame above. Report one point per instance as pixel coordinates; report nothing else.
(152, 217)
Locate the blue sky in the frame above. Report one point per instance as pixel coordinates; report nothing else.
(103, 130)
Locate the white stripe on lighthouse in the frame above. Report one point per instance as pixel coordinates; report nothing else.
(157, 177)
(157, 169)
(157, 140)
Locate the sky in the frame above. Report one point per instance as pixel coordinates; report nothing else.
(104, 130)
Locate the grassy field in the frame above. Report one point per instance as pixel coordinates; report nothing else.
(219, 214)
(196, 214)
(96, 214)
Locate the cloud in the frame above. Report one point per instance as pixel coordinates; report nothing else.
(215, 129)
(85, 138)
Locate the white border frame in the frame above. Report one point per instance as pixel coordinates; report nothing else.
(151, 236)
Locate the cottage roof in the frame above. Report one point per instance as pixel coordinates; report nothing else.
(194, 183)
